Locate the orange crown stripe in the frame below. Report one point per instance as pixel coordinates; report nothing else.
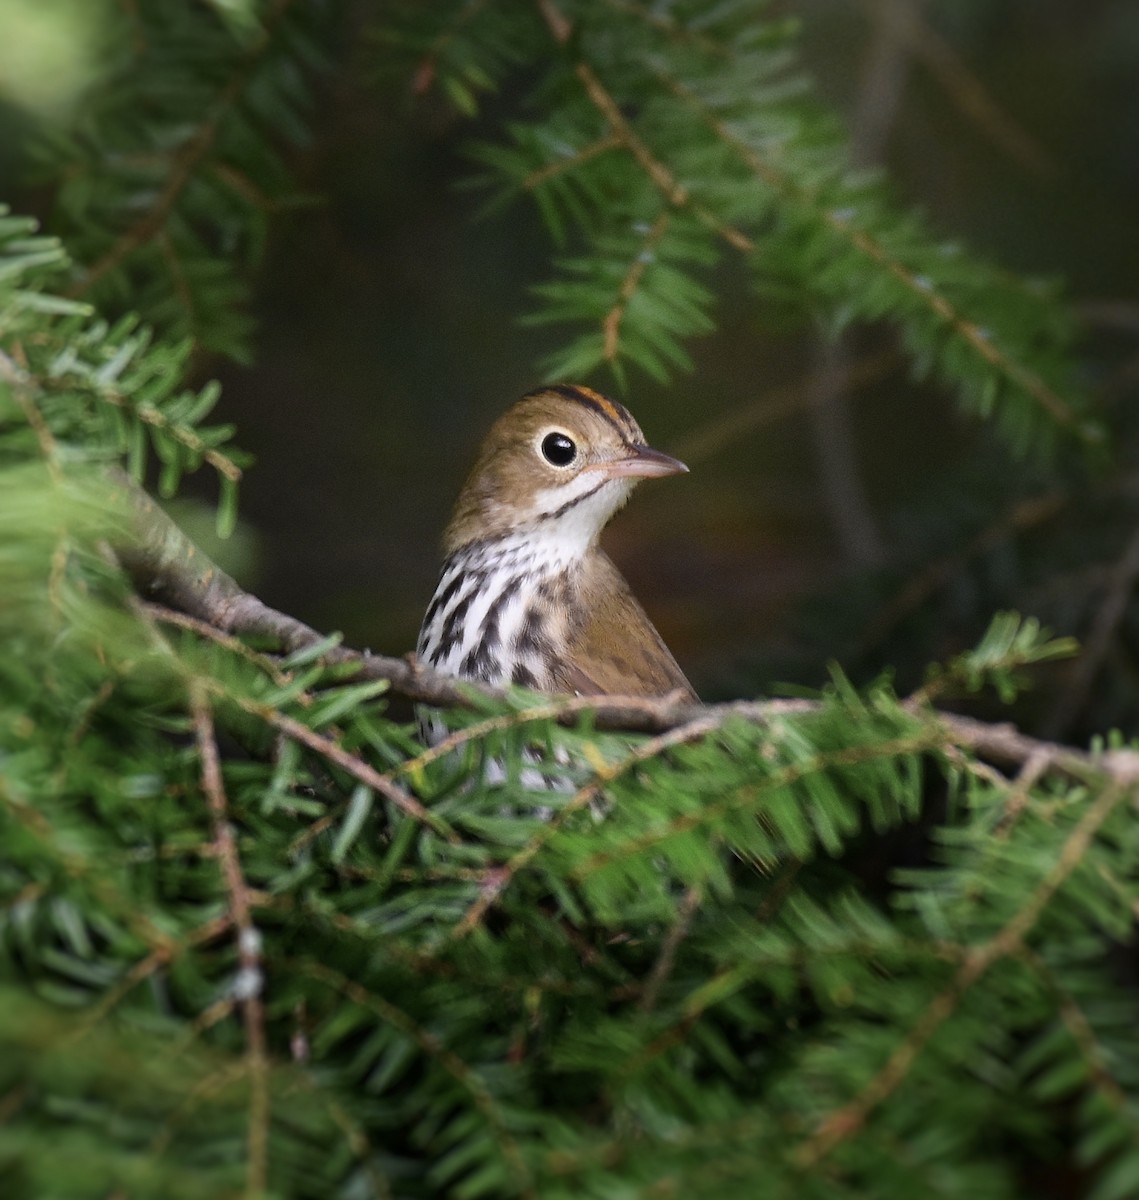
(603, 402)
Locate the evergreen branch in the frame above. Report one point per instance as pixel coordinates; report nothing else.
(926, 740)
(250, 979)
(730, 979)
(391, 1014)
(666, 960)
(673, 29)
(673, 191)
(552, 169)
(429, 65)
(80, 382)
(920, 288)
(157, 960)
(350, 763)
(611, 324)
(185, 162)
(497, 879)
(81, 868)
(843, 1123)
(185, 436)
(1084, 1036)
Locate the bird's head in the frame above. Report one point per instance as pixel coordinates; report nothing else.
(558, 463)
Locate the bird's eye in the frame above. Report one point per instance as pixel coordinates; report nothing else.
(558, 449)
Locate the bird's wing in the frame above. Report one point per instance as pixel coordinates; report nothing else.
(612, 647)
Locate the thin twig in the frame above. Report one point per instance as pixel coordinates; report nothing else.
(966, 91)
(356, 767)
(844, 1122)
(250, 979)
(552, 169)
(498, 879)
(775, 404)
(611, 325)
(1016, 800)
(839, 222)
(184, 163)
(203, 629)
(662, 968)
(1071, 699)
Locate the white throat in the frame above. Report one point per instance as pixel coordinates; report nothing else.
(573, 515)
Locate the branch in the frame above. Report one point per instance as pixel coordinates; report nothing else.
(884, 71)
(248, 982)
(1009, 940)
(1121, 586)
(877, 251)
(964, 90)
(163, 561)
(611, 325)
(183, 163)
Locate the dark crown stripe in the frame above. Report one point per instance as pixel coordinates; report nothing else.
(616, 414)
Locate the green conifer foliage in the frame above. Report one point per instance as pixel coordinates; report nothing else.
(256, 940)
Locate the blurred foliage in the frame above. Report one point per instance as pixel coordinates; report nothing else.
(837, 951)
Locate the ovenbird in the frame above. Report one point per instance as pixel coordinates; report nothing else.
(526, 594)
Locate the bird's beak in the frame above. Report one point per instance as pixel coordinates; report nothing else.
(643, 462)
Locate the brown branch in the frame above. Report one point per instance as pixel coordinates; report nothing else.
(873, 249)
(1016, 798)
(1121, 586)
(662, 968)
(776, 404)
(250, 978)
(552, 169)
(349, 763)
(1024, 514)
(164, 561)
(184, 163)
(965, 90)
(611, 325)
(497, 880)
(844, 1122)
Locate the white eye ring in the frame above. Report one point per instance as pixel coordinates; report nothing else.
(558, 448)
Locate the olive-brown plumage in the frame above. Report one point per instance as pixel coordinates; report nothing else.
(526, 594)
